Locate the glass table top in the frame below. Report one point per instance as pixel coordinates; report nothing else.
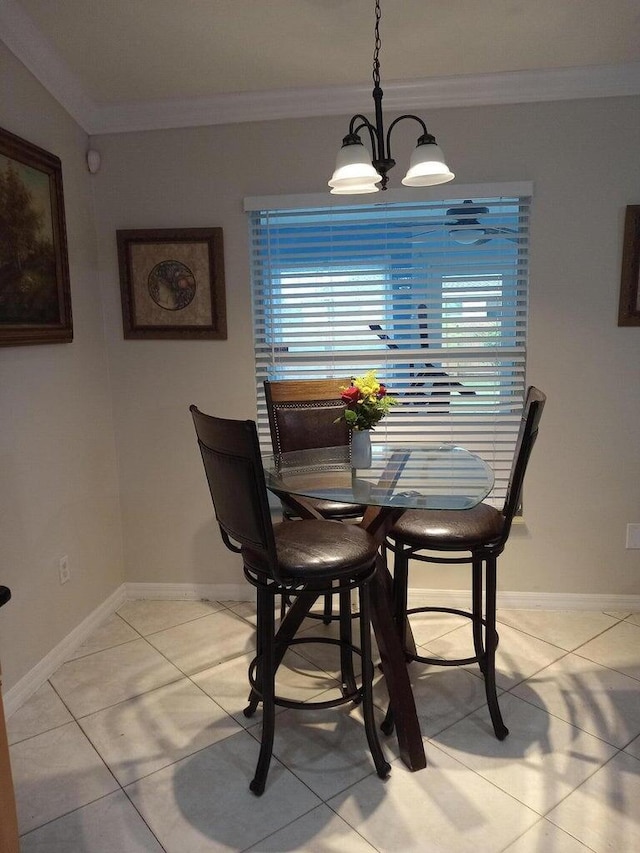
(413, 476)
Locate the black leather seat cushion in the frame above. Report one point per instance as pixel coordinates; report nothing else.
(449, 530)
(313, 549)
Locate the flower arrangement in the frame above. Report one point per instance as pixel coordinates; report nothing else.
(367, 402)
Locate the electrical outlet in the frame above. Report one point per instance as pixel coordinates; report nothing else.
(63, 569)
(633, 536)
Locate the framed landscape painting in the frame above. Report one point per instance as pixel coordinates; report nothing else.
(35, 297)
(172, 283)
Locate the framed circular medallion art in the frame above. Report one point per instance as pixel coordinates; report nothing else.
(172, 283)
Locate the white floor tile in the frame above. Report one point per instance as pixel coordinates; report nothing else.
(603, 813)
(205, 642)
(560, 628)
(429, 626)
(41, 712)
(319, 831)
(54, 773)
(518, 657)
(147, 617)
(149, 732)
(245, 609)
(544, 837)
(203, 802)
(326, 656)
(96, 681)
(113, 632)
(598, 700)
(618, 648)
(542, 759)
(441, 808)
(147, 718)
(326, 749)
(109, 825)
(443, 695)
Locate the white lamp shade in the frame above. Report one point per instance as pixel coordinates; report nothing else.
(355, 189)
(354, 172)
(427, 167)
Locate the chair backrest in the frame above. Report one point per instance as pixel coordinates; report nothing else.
(527, 434)
(302, 414)
(231, 456)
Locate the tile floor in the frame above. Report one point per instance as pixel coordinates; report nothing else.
(138, 743)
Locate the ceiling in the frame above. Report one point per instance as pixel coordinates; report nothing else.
(173, 62)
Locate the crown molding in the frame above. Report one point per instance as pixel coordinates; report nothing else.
(33, 49)
(461, 91)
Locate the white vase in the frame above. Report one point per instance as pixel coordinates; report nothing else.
(360, 448)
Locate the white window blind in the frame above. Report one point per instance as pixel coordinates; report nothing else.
(435, 302)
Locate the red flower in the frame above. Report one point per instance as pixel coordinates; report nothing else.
(382, 391)
(350, 395)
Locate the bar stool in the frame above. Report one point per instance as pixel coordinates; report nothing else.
(304, 558)
(483, 532)
(303, 414)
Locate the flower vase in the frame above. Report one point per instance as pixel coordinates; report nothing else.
(360, 448)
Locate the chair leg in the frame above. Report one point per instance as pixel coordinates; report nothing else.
(381, 764)
(388, 724)
(327, 612)
(253, 700)
(266, 642)
(491, 641)
(348, 679)
(477, 612)
(255, 695)
(284, 603)
(400, 590)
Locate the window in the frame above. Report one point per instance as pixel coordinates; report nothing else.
(430, 293)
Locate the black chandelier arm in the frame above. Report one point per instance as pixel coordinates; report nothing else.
(425, 132)
(373, 133)
(358, 117)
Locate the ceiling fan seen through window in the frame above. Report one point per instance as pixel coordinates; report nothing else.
(465, 226)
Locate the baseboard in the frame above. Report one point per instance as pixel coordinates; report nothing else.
(446, 597)
(190, 591)
(35, 678)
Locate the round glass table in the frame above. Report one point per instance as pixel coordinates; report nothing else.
(407, 476)
(400, 477)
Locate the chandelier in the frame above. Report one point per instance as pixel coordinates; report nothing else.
(357, 172)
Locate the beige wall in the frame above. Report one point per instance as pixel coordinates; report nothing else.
(67, 461)
(58, 476)
(584, 483)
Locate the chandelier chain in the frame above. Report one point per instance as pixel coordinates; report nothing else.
(376, 50)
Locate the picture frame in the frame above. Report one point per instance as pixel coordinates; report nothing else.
(629, 307)
(35, 292)
(172, 283)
